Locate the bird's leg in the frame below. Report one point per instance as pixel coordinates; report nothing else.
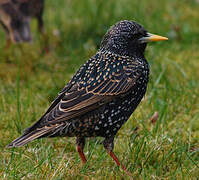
(8, 32)
(80, 143)
(42, 31)
(109, 145)
(8, 43)
(40, 23)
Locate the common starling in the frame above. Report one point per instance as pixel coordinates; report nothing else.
(103, 93)
(15, 18)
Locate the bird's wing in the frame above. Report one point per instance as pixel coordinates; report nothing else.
(94, 85)
(4, 1)
(94, 89)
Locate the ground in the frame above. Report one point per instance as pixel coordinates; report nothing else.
(30, 79)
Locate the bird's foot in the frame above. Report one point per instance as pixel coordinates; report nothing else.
(81, 154)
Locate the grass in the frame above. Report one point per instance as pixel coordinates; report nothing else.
(31, 79)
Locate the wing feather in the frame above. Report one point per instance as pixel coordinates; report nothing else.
(90, 90)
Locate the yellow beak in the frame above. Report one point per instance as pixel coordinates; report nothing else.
(152, 37)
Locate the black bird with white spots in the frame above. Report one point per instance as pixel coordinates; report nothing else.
(15, 16)
(103, 93)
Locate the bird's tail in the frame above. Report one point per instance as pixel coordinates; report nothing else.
(32, 135)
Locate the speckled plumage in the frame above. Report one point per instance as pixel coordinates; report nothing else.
(113, 84)
(103, 93)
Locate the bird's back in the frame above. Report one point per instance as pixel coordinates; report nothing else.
(99, 98)
(30, 8)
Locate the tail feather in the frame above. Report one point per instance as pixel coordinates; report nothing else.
(27, 137)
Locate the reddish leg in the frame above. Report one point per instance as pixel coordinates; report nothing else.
(81, 154)
(8, 43)
(80, 143)
(111, 153)
(109, 145)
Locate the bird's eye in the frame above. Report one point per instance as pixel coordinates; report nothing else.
(15, 24)
(140, 34)
(136, 36)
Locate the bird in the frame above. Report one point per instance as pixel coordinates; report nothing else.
(103, 93)
(32, 9)
(15, 16)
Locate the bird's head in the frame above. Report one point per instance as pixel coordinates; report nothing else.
(20, 30)
(128, 38)
(15, 24)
